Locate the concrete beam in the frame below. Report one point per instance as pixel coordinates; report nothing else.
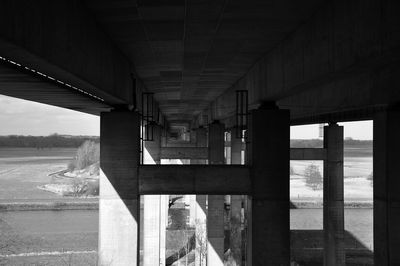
(18, 82)
(307, 154)
(184, 153)
(179, 144)
(63, 40)
(194, 179)
(301, 153)
(296, 153)
(229, 144)
(316, 62)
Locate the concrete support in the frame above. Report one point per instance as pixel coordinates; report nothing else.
(269, 159)
(152, 231)
(201, 141)
(215, 221)
(248, 213)
(216, 145)
(192, 136)
(334, 253)
(119, 197)
(194, 179)
(236, 206)
(201, 230)
(164, 200)
(387, 188)
(200, 209)
(155, 210)
(201, 137)
(312, 154)
(192, 153)
(152, 149)
(236, 149)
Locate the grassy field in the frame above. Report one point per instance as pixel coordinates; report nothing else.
(42, 237)
(36, 236)
(306, 223)
(357, 168)
(22, 170)
(70, 237)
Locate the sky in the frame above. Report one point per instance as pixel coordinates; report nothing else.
(21, 117)
(356, 130)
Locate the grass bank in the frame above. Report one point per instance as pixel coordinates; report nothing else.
(49, 206)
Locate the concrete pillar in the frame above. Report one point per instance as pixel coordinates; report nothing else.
(193, 136)
(236, 149)
(152, 149)
(216, 143)
(164, 200)
(215, 219)
(155, 210)
(236, 205)
(192, 209)
(269, 157)
(201, 141)
(200, 209)
(119, 197)
(334, 253)
(248, 213)
(387, 188)
(201, 231)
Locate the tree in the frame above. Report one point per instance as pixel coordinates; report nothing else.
(292, 170)
(88, 153)
(370, 177)
(313, 177)
(201, 242)
(233, 256)
(79, 187)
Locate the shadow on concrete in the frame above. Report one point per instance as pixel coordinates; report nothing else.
(307, 248)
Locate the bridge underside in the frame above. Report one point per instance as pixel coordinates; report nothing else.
(178, 66)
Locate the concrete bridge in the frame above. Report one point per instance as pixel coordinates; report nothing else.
(169, 78)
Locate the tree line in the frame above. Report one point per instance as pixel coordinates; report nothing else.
(318, 143)
(41, 142)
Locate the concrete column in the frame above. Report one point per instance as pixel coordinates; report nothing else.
(334, 253)
(201, 231)
(236, 205)
(193, 136)
(201, 141)
(215, 219)
(236, 149)
(248, 213)
(387, 188)
(155, 210)
(269, 158)
(119, 198)
(201, 208)
(152, 149)
(191, 199)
